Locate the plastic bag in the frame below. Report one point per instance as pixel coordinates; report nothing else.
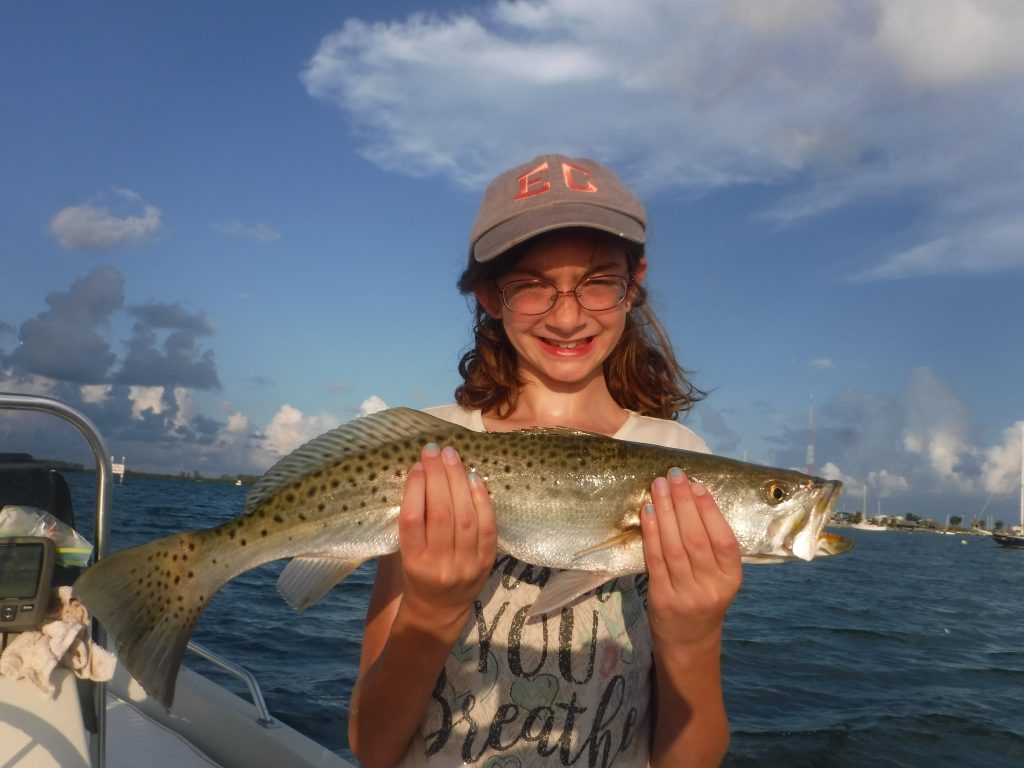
(73, 549)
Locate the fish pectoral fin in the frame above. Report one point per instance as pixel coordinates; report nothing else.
(618, 540)
(566, 586)
(765, 559)
(306, 579)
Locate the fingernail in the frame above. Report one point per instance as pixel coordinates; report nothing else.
(450, 455)
(697, 488)
(676, 474)
(430, 448)
(649, 509)
(661, 486)
(474, 478)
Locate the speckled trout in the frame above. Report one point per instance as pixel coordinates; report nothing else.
(564, 499)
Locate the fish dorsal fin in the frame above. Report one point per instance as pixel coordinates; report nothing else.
(350, 439)
(559, 432)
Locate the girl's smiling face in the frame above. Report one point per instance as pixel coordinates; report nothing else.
(566, 346)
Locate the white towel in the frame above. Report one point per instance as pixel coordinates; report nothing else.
(64, 639)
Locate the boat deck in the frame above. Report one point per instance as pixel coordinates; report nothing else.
(209, 727)
(134, 739)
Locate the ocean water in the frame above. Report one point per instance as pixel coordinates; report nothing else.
(907, 651)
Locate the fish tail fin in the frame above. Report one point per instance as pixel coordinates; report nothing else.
(149, 598)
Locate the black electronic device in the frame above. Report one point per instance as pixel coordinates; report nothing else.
(26, 572)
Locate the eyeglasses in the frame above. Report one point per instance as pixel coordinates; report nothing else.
(594, 293)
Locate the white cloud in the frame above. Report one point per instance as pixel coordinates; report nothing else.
(95, 227)
(1002, 465)
(29, 384)
(886, 483)
(127, 194)
(923, 438)
(937, 426)
(779, 16)
(984, 243)
(372, 404)
(832, 472)
(954, 42)
(146, 399)
(290, 428)
(186, 409)
(15, 425)
(260, 232)
(912, 100)
(238, 423)
(822, 363)
(95, 393)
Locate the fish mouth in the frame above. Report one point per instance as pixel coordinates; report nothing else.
(833, 544)
(803, 534)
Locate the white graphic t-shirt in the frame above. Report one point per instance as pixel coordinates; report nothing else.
(565, 689)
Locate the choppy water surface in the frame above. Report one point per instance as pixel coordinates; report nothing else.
(908, 651)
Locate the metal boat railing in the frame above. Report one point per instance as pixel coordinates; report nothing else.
(247, 677)
(15, 402)
(98, 748)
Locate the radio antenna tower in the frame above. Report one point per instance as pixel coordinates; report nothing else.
(810, 437)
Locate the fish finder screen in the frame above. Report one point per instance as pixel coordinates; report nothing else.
(20, 570)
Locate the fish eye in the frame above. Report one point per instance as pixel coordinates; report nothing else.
(775, 492)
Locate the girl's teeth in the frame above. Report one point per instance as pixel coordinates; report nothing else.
(566, 344)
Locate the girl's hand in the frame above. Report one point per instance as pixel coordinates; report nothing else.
(421, 599)
(693, 562)
(447, 539)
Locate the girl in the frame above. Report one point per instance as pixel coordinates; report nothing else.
(452, 670)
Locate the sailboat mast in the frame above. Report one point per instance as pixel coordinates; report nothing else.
(810, 437)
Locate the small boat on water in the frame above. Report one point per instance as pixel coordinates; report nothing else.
(85, 724)
(1013, 540)
(1008, 540)
(864, 525)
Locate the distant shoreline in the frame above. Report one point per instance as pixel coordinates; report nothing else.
(906, 528)
(194, 477)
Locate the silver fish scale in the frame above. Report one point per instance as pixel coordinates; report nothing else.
(558, 492)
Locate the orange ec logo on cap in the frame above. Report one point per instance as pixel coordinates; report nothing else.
(536, 182)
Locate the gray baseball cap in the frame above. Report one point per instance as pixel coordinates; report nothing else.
(553, 192)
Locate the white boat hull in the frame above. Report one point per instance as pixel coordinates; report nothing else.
(207, 726)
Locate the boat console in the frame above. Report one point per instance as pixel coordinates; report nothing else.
(26, 572)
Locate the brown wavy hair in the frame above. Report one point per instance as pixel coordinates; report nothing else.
(642, 372)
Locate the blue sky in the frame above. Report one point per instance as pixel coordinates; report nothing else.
(227, 227)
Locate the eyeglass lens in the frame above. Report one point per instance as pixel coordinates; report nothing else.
(535, 297)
